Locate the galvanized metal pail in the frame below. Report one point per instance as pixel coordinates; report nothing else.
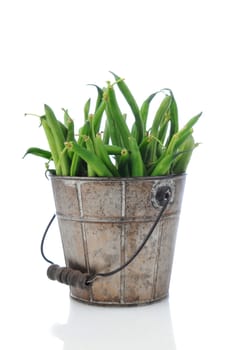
(102, 223)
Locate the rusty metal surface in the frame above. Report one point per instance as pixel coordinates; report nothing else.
(102, 222)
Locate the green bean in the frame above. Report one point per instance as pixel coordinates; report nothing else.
(134, 131)
(90, 158)
(69, 123)
(91, 122)
(191, 122)
(123, 165)
(77, 161)
(173, 116)
(58, 138)
(181, 162)
(95, 119)
(87, 108)
(112, 127)
(38, 152)
(145, 109)
(99, 96)
(66, 117)
(85, 129)
(52, 145)
(143, 147)
(163, 135)
(182, 134)
(103, 155)
(148, 150)
(112, 149)
(117, 116)
(63, 128)
(178, 139)
(163, 166)
(75, 164)
(133, 105)
(89, 144)
(98, 116)
(136, 162)
(106, 133)
(90, 148)
(166, 162)
(160, 114)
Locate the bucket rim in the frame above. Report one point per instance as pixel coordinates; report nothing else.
(116, 179)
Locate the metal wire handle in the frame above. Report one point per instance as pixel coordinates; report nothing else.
(75, 277)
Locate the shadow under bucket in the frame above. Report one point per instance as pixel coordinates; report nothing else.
(104, 221)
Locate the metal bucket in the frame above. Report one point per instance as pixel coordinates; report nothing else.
(102, 223)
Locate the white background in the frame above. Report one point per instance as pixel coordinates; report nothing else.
(49, 51)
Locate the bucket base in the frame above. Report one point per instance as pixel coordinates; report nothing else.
(116, 304)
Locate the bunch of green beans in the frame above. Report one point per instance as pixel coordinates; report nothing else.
(107, 146)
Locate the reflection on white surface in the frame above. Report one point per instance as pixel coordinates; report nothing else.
(91, 326)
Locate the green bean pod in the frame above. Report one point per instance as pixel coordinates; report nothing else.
(77, 161)
(90, 148)
(123, 165)
(158, 121)
(173, 117)
(58, 138)
(146, 148)
(106, 133)
(85, 129)
(98, 116)
(101, 152)
(182, 134)
(117, 116)
(182, 160)
(115, 136)
(99, 96)
(39, 152)
(91, 123)
(163, 166)
(52, 145)
(133, 105)
(112, 149)
(143, 145)
(64, 129)
(75, 164)
(178, 139)
(90, 158)
(69, 124)
(87, 109)
(173, 114)
(144, 110)
(163, 135)
(136, 162)
(160, 114)
(191, 122)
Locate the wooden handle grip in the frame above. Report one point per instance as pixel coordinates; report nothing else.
(66, 275)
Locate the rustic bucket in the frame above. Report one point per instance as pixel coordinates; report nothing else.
(103, 222)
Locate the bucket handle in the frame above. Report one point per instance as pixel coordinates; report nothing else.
(77, 278)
